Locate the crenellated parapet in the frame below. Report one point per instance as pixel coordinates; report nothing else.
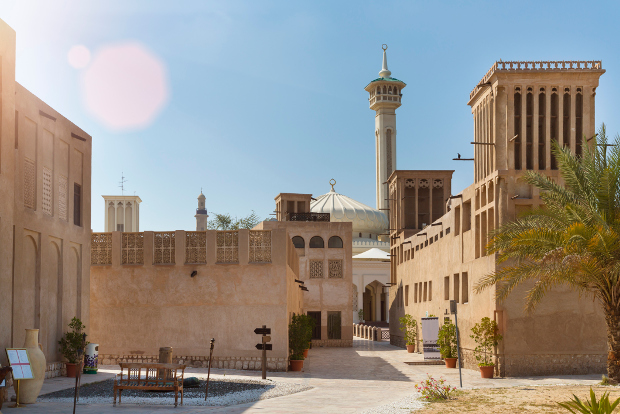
(538, 65)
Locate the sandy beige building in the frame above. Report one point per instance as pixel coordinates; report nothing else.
(45, 175)
(182, 288)
(325, 266)
(519, 108)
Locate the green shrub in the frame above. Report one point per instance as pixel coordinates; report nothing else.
(486, 334)
(410, 326)
(297, 338)
(74, 341)
(603, 406)
(309, 324)
(446, 340)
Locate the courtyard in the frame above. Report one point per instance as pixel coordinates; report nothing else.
(369, 377)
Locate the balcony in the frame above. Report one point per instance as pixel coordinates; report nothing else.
(308, 217)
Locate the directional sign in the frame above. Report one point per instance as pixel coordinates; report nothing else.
(262, 331)
(268, 347)
(266, 339)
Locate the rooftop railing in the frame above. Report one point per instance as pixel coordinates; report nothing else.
(308, 217)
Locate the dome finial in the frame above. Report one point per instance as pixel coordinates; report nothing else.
(385, 73)
(332, 184)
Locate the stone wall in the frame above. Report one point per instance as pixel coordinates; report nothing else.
(241, 363)
(398, 341)
(540, 365)
(55, 369)
(570, 364)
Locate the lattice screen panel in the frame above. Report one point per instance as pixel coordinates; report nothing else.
(62, 197)
(29, 183)
(316, 269)
(195, 247)
(260, 246)
(335, 269)
(164, 247)
(47, 191)
(101, 249)
(132, 248)
(227, 246)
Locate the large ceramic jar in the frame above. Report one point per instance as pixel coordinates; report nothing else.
(29, 389)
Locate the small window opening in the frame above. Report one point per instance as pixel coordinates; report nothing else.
(407, 295)
(299, 242)
(517, 127)
(317, 242)
(334, 242)
(465, 283)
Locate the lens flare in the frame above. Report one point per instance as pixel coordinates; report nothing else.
(78, 56)
(126, 86)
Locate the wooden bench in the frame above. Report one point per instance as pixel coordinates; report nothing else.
(150, 377)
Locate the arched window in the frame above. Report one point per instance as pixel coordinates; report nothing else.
(378, 90)
(317, 242)
(299, 242)
(334, 242)
(384, 90)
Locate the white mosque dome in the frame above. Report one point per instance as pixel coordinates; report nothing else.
(341, 208)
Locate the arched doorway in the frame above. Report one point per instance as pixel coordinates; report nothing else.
(375, 302)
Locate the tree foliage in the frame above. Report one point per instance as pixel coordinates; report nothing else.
(573, 240)
(73, 341)
(227, 222)
(446, 339)
(486, 335)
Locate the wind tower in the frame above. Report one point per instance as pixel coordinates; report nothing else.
(201, 213)
(385, 96)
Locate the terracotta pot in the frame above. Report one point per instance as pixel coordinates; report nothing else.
(29, 389)
(450, 362)
(410, 348)
(487, 372)
(305, 353)
(71, 369)
(297, 365)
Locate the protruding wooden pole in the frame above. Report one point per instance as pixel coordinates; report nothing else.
(209, 372)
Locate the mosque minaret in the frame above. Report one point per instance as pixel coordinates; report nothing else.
(201, 213)
(385, 97)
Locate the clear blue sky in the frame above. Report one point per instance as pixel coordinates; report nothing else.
(267, 96)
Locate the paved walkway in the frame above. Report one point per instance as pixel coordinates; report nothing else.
(345, 380)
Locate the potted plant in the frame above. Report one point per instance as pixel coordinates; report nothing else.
(410, 326)
(360, 315)
(486, 335)
(297, 342)
(70, 345)
(446, 340)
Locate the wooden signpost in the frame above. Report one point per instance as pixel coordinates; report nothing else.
(264, 346)
(19, 361)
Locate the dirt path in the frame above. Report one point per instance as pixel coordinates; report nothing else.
(516, 400)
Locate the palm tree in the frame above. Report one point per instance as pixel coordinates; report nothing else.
(574, 240)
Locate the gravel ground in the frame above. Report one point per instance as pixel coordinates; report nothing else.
(222, 392)
(402, 406)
